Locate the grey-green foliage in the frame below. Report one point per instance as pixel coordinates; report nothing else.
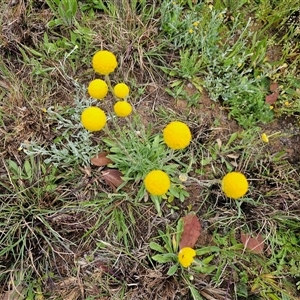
(73, 144)
(136, 155)
(135, 151)
(64, 11)
(224, 57)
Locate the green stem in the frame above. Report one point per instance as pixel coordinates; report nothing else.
(107, 79)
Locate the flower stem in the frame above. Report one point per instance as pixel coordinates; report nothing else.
(107, 79)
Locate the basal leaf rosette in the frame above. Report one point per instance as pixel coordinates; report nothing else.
(186, 256)
(234, 185)
(98, 89)
(122, 109)
(157, 182)
(121, 90)
(177, 135)
(93, 118)
(104, 62)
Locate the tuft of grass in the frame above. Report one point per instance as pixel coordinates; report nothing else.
(28, 239)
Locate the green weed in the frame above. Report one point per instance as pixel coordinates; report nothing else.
(168, 252)
(136, 151)
(73, 146)
(222, 58)
(64, 11)
(25, 209)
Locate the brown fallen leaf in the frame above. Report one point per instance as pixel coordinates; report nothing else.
(191, 231)
(255, 244)
(274, 87)
(101, 159)
(271, 99)
(112, 177)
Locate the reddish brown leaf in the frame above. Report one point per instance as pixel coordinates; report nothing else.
(271, 99)
(101, 159)
(112, 177)
(255, 244)
(274, 87)
(191, 231)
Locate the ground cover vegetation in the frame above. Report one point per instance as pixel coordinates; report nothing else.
(149, 149)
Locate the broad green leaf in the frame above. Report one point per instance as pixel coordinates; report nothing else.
(28, 169)
(156, 202)
(195, 293)
(115, 149)
(172, 270)
(13, 167)
(205, 161)
(176, 83)
(204, 269)
(109, 142)
(291, 91)
(206, 250)
(167, 239)
(157, 247)
(51, 187)
(174, 191)
(179, 230)
(232, 139)
(208, 259)
(155, 143)
(164, 258)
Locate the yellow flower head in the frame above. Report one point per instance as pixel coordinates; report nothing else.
(121, 90)
(234, 185)
(265, 138)
(98, 89)
(93, 118)
(122, 109)
(104, 62)
(177, 135)
(186, 256)
(157, 182)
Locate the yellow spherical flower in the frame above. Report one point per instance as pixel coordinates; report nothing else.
(104, 62)
(98, 89)
(186, 256)
(157, 182)
(235, 185)
(93, 118)
(121, 90)
(177, 135)
(122, 109)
